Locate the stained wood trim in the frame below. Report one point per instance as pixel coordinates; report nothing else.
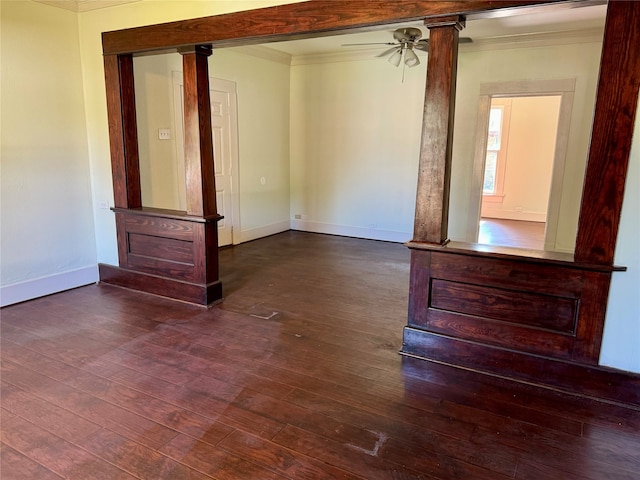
(123, 131)
(490, 332)
(604, 384)
(198, 141)
(162, 286)
(520, 254)
(299, 20)
(123, 241)
(612, 132)
(165, 213)
(434, 169)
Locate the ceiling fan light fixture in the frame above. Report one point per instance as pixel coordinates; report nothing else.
(410, 58)
(396, 57)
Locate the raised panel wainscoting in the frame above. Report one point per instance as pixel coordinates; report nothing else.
(166, 253)
(538, 320)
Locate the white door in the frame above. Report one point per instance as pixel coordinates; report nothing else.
(224, 126)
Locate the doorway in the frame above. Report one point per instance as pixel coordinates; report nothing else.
(517, 174)
(224, 127)
(521, 143)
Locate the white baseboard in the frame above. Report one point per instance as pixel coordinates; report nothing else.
(264, 231)
(39, 287)
(348, 231)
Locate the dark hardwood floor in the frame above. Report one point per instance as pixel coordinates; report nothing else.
(296, 375)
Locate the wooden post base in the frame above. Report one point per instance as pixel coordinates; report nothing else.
(500, 313)
(166, 253)
(205, 295)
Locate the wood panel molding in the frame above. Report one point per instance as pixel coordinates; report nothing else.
(167, 253)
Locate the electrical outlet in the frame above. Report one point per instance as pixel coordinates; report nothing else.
(297, 216)
(164, 134)
(103, 205)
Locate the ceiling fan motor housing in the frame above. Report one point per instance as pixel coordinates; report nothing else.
(409, 34)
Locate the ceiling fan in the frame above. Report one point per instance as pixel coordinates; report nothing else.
(407, 40)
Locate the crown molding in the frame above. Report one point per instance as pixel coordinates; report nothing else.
(529, 40)
(84, 5)
(266, 53)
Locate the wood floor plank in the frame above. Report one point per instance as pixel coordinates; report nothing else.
(275, 457)
(203, 404)
(391, 419)
(534, 471)
(442, 465)
(347, 457)
(215, 462)
(16, 466)
(88, 406)
(574, 456)
(52, 418)
(136, 402)
(164, 413)
(54, 453)
(137, 459)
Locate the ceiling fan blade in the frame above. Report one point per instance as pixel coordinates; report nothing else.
(422, 45)
(374, 43)
(389, 51)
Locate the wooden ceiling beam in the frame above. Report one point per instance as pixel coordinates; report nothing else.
(302, 20)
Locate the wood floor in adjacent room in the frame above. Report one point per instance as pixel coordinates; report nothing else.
(511, 233)
(296, 375)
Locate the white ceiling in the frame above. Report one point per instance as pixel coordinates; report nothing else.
(547, 20)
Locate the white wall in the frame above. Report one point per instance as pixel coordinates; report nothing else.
(263, 131)
(529, 160)
(621, 342)
(155, 110)
(355, 131)
(47, 231)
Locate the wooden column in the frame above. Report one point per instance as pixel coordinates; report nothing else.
(612, 131)
(434, 175)
(198, 142)
(123, 133)
(123, 141)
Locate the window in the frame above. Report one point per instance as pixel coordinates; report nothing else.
(495, 159)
